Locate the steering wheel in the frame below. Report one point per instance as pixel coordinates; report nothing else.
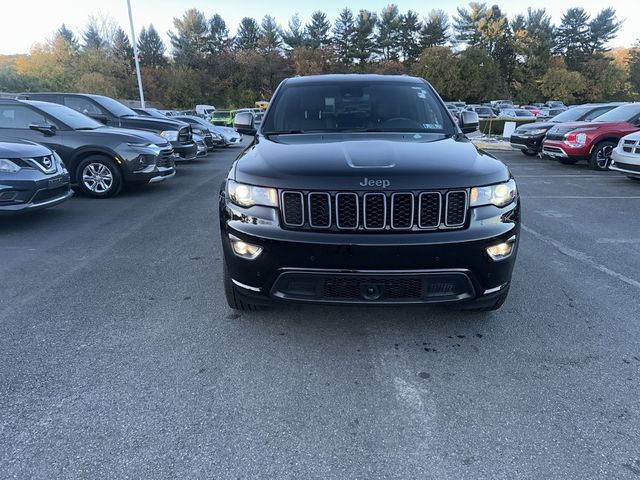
(401, 122)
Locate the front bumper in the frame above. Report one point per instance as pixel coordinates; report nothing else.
(33, 192)
(184, 151)
(527, 142)
(623, 162)
(417, 267)
(555, 149)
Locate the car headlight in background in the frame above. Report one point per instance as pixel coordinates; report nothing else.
(536, 131)
(170, 135)
(499, 195)
(249, 195)
(7, 166)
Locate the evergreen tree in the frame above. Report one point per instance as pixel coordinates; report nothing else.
(151, 48)
(573, 37)
(344, 32)
(318, 30)
(295, 36)
(68, 36)
(602, 29)
(410, 27)
(363, 41)
(435, 32)
(92, 38)
(121, 48)
(388, 38)
(190, 40)
(480, 26)
(218, 40)
(270, 39)
(248, 34)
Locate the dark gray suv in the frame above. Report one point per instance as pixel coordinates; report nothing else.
(32, 177)
(100, 159)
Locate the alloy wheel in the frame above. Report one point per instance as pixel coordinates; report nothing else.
(603, 157)
(97, 178)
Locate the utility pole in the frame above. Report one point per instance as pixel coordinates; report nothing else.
(135, 55)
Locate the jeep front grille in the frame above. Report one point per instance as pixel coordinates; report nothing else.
(374, 211)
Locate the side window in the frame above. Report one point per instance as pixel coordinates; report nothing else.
(83, 106)
(595, 113)
(20, 116)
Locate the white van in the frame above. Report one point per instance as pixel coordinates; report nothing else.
(205, 110)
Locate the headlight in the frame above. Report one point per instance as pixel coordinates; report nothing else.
(537, 131)
(499, 195)
(249, 195)
(7, 166)
(171, 135)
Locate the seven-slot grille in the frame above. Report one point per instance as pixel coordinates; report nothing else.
(631, 146)
(374, 211)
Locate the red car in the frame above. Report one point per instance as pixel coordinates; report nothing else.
(533, 109)
(592, 141)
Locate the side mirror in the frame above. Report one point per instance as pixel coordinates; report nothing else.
(47, 130)
(243, 123)
(469, 122)
(99, 117)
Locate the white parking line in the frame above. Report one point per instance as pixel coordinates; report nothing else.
(581, 257)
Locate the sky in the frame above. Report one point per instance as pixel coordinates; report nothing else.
(38, 22)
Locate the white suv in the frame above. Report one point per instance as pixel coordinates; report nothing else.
(625, 157)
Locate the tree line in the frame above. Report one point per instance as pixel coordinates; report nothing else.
(478, 55)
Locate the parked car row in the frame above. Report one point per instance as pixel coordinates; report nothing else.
(50, 142)
(603, 135)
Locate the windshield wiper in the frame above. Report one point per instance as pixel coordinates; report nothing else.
(284, 132)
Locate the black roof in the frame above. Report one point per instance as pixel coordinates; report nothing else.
(352, 77)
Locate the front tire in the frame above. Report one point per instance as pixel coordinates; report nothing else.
(600, 158)
(99, 177)
(234, 297)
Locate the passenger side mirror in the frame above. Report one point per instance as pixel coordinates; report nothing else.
(47, 130)
(243, 123)
(99, 117)
(469, 122)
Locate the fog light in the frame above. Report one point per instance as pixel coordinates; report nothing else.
(501, 250)
(244, 249)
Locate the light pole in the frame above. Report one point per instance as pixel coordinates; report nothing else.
(135, 55)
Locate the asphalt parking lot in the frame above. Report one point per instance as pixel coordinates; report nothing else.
(120, 358)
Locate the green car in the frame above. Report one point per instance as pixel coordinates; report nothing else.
(223, 118)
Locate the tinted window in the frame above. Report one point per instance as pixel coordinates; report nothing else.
(114, 107)
(623, 113)
(68, 116)
(357, 106)
(20, 116)
(82, 105)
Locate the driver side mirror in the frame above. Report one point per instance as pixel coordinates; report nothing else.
(469, 122)
(47, 130)
(243, 123)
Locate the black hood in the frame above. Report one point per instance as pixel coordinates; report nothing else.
(535, 126)
(344, 161)
(140, 122)
(17, 148)
(150, 137)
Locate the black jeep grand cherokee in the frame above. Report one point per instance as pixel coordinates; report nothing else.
(362, 189)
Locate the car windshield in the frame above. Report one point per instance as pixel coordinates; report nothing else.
(380, 106)
(221, 114)
(116, 108)
(572, 115)
(68, 116)
(483, 110)
(524, 113)
(623, 113)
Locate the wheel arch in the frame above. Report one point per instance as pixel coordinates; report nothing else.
(83, 153)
